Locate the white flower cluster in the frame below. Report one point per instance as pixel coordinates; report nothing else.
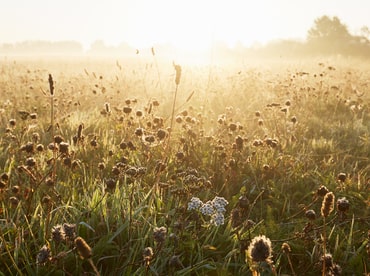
(194, 203)
(214, 208)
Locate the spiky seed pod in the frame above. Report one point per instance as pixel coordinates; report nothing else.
(260, 249)
(293, 119)
(69, 230)
(327, 204)
(57, 234)
(322, 191)
(83, 248)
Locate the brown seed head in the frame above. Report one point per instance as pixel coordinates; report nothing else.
(83, 248)
(327, 204)
(260, 249)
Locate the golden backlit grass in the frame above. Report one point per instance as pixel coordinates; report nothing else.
(133, 143)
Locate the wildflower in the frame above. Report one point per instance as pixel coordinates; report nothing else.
(83, 248)
(260, 249)
(218, 219)
(207, 208)
(160, 234)
(219, 204)
(64, 147)
(327, 204)
(43, 255)
(194, 204)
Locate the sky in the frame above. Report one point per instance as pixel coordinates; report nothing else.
(186, 24)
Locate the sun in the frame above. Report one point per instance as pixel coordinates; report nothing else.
(194, 27)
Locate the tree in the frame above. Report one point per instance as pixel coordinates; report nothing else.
(326, 28)
(328, 36)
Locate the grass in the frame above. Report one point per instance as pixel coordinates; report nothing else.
(119, 165)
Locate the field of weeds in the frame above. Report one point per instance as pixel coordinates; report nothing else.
(141, 167)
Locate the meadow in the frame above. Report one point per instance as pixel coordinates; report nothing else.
(143, 167)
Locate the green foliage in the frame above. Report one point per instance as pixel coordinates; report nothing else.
(112, 172)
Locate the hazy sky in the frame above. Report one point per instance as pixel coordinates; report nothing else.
(189, 24)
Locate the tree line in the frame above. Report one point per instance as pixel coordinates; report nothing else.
(327, 36)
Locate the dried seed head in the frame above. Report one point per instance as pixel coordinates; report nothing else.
(63, 147)
(327, 204)
(58, 139)
(310, 214)
(14, 201)
(161, 134)
(148, 254)
(51, 85)
(260, 249)
(342, 177)
(127, 110)
(107, 108)
(12, 122)
(4, 177)
(285, 247)
(83, 248)
(343, 204)
(57, 234)
(178, 73)
(40, 147)
(159, 234)
(43, 255)
(322, 191)
(69, 230)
